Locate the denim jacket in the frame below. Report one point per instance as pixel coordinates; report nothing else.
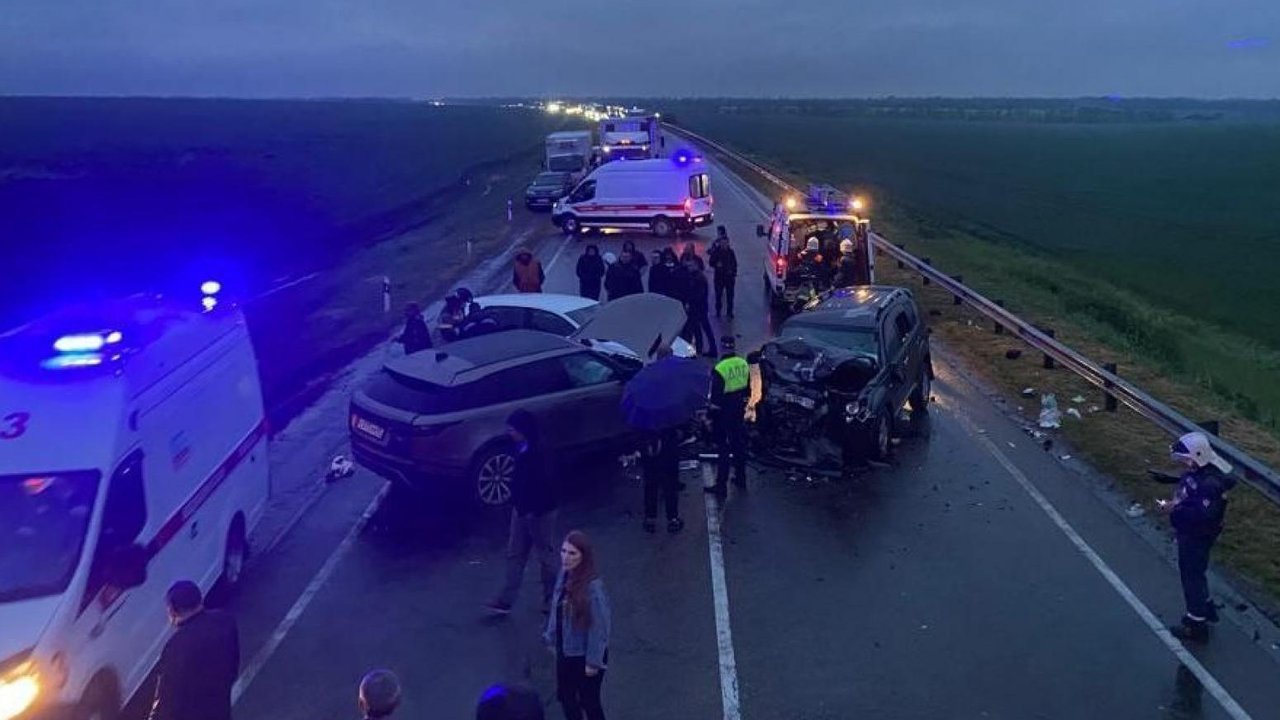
(591, 641)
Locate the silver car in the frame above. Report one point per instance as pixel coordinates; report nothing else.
(438, 417)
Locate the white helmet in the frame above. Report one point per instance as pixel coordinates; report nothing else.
(812, 244)
(846, 246)
(610, 258)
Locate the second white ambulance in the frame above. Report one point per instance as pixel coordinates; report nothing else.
(663, 195)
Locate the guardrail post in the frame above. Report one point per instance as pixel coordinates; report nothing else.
(1049, 364)
(999, 329)
(956, 299)
(1110, 400)
(901, 246)
(1213, 427)
(926, 261)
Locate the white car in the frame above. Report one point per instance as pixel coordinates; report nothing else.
(547, 312)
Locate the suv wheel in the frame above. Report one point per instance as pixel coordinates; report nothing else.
(492, 473)
(920, 397)
(662, 226)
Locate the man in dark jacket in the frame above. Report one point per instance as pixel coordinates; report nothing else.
(534, 499)
(416, 335)
(623, 277)
(697, 329)
(846, 266)
(200, 662)
(590, 272)
(1197, 513)
(724, 264)
(379, 694)
(664, 278)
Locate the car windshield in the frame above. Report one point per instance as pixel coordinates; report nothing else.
(582, 315)
(549, 179)
(850, 339)
(43, 520)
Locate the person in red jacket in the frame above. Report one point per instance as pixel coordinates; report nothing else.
(528, 275)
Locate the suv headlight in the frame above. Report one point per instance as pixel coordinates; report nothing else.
(19, 689)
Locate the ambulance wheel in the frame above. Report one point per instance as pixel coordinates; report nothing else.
(662, 226)
(100, 702)
(234, 557)
(569, 225)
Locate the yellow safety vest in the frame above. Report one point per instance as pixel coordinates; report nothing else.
(735, 372)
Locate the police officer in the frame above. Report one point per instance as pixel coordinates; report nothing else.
(1196, 512)
(730, 390)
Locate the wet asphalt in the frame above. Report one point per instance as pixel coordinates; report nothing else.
(935, 587)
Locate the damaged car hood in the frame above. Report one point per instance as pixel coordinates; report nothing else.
(638, 324)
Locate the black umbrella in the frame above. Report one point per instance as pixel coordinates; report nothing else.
(666, 394)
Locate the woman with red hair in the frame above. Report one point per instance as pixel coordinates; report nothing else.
(578, 630)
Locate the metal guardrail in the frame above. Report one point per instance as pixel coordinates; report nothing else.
(1253, 471)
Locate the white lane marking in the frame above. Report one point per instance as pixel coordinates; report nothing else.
(287, 285)
(720, 591)
(300, 605)
(556, 257)
(1207, 680)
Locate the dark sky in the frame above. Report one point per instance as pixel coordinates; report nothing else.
(421, 48)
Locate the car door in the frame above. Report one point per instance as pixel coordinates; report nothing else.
(123, 628)
(594, 401)
(537, 386)
(908, 323)
(895, 345)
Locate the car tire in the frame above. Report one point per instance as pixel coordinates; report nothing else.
(234, 556)
(880, 437)
(662, 226)
(921, 396)
(569, 225)
(100, 702)
(491, 474)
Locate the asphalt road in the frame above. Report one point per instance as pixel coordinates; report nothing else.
(977, 577)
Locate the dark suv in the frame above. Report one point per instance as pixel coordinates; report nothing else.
(839, 373)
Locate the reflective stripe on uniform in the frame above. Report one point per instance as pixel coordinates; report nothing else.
(735, 372)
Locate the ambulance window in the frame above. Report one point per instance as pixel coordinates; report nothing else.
(585, 191)
(699, 186)
(125, 513)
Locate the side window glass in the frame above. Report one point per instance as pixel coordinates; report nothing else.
(124, 515)
(893, 334)
(550, 323)
(586, 191)
(585, 370)
(904, 322)
(532, 380)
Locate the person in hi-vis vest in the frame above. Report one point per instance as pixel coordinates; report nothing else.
(730, 390)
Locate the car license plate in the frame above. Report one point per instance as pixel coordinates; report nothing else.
(372, 429)
(801, 400)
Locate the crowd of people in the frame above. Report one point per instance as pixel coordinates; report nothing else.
(682, 277)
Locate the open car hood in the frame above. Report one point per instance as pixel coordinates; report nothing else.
(639, 324)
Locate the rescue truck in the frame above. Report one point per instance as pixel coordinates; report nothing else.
(663, 195)
(568, 151)
(133, 453)
(635, 137)
(795, 271)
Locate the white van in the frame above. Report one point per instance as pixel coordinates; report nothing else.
(664, 195)
(133, 454)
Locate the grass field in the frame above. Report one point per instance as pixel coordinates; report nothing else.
(106, 195)
(1163, 238)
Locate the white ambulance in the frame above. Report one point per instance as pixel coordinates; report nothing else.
(663, 195)
(133, 454)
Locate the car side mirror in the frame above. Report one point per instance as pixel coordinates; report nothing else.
(760, 231)
(753, 357)
(127, 566)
